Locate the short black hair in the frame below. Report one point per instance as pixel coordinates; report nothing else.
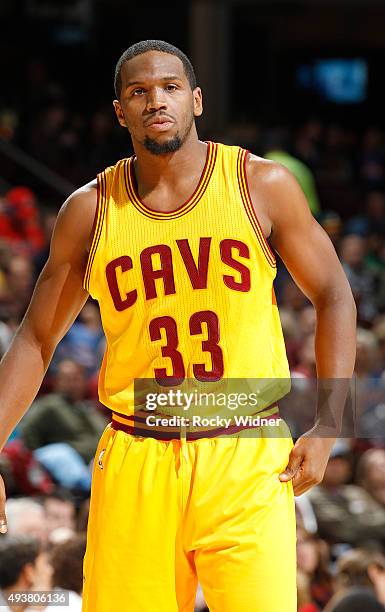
(15, 554)
(152, 45)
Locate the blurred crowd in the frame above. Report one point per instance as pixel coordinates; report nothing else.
(43, 552)
(47, 462)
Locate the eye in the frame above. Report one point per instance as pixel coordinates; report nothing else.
(138, 92)
(171, 87)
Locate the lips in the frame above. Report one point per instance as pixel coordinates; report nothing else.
(158, 121)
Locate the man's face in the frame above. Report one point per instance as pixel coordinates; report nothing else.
(31, 523)
(70, 380)
(59, 514)
(353, 250)
(156, 102)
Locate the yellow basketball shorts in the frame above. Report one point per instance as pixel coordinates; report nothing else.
(165, 514)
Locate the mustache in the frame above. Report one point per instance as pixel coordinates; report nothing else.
(158, 116)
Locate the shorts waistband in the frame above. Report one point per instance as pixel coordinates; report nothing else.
(135, 425)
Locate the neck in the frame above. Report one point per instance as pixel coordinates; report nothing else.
(152, 169)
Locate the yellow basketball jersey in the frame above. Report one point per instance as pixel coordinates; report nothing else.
(187, 293)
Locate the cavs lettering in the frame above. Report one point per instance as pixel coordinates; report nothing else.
(187, 293)
(197, 271)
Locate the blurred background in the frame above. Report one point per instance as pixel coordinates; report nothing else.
(300, 82)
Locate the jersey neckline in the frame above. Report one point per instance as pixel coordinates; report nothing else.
(200, 189)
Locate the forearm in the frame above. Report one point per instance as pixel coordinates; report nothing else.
(335, 341)
(21, 373)
(335, 346)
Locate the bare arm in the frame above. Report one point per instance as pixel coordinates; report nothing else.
(313, 263)
(57, 299)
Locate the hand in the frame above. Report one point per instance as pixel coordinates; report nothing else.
(307, 461)
(3, 518)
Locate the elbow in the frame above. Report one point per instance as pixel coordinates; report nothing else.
(40, 343)
(339, 299)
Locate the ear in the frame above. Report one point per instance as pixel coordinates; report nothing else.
(119, 113)
(198, 104)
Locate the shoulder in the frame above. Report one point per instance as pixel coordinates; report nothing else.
(276, 191)
(82, 200)
(268, 173)
(77, 214)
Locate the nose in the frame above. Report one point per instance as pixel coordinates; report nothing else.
(155, 100)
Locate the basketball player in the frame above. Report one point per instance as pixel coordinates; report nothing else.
(173, 244)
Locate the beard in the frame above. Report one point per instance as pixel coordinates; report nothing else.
(170, 146)
(162, 148)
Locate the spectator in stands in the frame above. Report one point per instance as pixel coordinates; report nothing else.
(313, 558)
(372, 162)
(20, 225)
(28, 476)
(367, 358)
(375, 260)
(60, 511)
(372, 221)
(346, 512)
(6, 473)
(26, 517)
(307, 321)
(335, 167)
(5, 258)
(64, 415)
(360, 582)
(293, 300)
(291, 332)
(305, 601)
(82, 518)
(103, 144)
(371, 473)
(23, 567)
(17, 292)
(307, 142)
(369, 394)
(48, 222)
(332, 224)
(375, 212)
(361, 278)
(84, 342)
(278, 150)
(306, 366)
(46, 135)
(67, 564)
(379, 332)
